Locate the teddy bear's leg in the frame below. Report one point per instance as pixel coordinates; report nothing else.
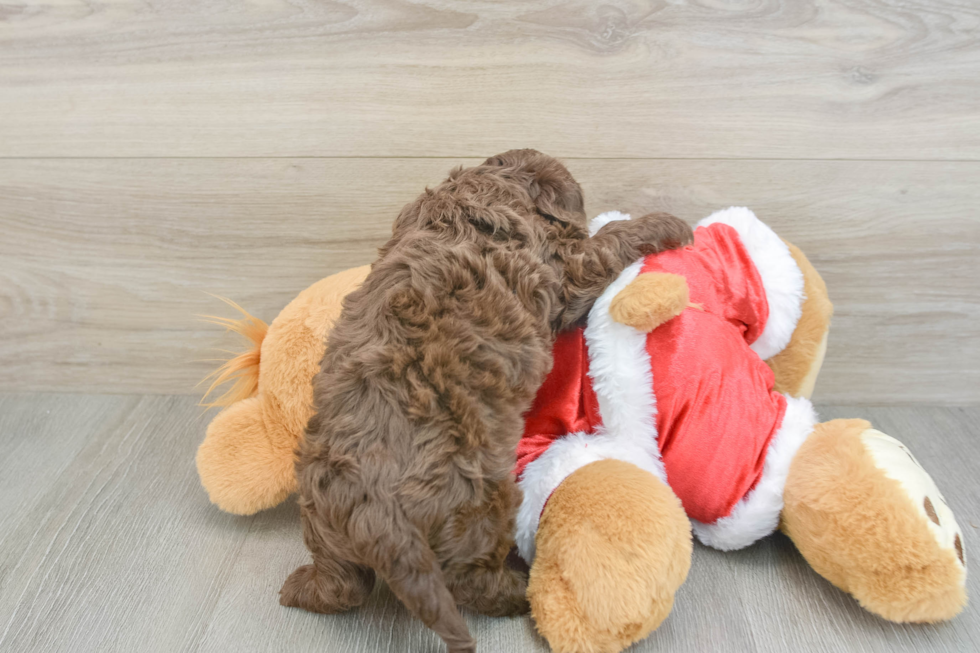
(797, 365)
(243, 466)
(612, 547)
(869, 519)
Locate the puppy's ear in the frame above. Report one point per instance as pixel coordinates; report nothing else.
(555, 193)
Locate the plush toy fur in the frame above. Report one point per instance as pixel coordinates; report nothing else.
(797, 366)
(858, 529)
(650, 300)
(613, 543)
(246, 460)
(602, 578)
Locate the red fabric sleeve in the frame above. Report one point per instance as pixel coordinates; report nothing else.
(565, 403)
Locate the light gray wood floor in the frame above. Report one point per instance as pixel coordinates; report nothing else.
(108, 543)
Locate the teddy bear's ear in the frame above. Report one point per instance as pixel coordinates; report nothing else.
(239, 466)
(650, 300)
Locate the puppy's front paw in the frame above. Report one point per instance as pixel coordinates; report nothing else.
(664, 231)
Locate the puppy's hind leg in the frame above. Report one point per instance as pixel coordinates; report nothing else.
(330, 584)
(480, 577)
(327, 586)
(494, 591)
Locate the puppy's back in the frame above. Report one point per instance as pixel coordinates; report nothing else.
(443, 337)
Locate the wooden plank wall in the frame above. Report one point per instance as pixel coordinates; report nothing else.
(150, 153)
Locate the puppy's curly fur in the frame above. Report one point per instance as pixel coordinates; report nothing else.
(405, 470)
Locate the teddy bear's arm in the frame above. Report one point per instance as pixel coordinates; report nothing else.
(796, 367)
(650, 300)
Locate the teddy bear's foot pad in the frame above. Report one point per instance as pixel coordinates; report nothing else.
(897, 462)
(869, 519)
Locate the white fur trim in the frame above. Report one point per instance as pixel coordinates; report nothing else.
(620, 369)
(757, 514)
(781, 277)
(603, 219)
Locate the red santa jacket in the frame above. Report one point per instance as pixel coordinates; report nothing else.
(691, 401)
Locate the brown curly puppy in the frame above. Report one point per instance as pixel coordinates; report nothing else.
(405, 470)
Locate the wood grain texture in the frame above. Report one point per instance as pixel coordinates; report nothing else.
(105, 263)
(794, 79)
(107, 543)
(120, 552)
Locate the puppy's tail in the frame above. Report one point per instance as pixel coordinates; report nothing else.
(414, 575)
(241, 369)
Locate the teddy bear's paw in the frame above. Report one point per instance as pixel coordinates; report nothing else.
(867, 516)
(650, 300)
(896, 462)
(933, 587)
(612, 548)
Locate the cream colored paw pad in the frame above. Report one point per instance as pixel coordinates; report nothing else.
(897, 462)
